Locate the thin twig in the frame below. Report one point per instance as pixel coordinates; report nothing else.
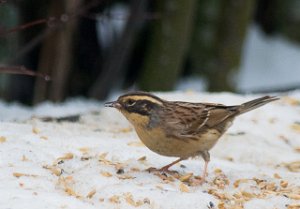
(54, 23)
(24, 26)
(21, 70)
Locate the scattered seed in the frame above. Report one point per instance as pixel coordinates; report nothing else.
(102, 156)
(294, 206)
(124, 177)
(291, 101)
(294, 196)
(84, 149)
(126, 130)
(183, 187)
(277, 176)
(2, 139)
(293, 166)
(18, 175)
(91, 194)
(35, 130)
(229, 158)
(186, 177)
(271, 186)
(221, 205)
(56, 171)
(297, 149)
(106, 174)
(239, 181)
(142, 158)
(283, 184)
(44, 137)
(114, 199)
(135, 169)
(129, 199)
(221, 181)
(296, 126)
(247, 195)
(24, 158)
(218, 170)
(135, 144)
(67, 156)
(159, 187)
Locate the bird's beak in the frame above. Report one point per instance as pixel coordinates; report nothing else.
(114, 104)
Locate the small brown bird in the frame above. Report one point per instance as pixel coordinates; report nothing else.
(180, 129)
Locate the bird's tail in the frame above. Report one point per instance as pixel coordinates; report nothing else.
(253, 104)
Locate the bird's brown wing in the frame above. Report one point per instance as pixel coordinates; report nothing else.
(219, 113)
(182, 119)
(188, 119)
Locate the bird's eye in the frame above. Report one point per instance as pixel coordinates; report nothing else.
(131, 102)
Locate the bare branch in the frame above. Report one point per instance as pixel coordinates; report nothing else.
(54, 23)
(21, 70)
(24, 26)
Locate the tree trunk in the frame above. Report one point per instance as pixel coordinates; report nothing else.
(235, 16)
(167, 48)
(9, 45)
(56, 53)
(204, 37)
(277, 16)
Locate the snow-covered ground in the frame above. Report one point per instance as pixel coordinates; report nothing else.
(268, 63)
(94, 159)
(99, 162)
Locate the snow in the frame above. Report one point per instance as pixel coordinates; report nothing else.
(99, 162)
(268, 63)
(15, 111)
(108, 28)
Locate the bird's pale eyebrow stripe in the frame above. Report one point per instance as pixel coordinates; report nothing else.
(147, 98)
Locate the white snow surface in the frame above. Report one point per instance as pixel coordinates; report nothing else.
(75, 164)
(268, 62)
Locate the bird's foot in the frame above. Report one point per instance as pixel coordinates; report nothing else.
(161, 170)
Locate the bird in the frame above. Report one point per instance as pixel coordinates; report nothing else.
(180, 129)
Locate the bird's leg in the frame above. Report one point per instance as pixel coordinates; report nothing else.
(205, 155)
(166, 167)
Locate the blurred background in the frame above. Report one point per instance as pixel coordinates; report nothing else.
(91, 48)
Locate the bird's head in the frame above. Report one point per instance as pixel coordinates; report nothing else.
(137, 107)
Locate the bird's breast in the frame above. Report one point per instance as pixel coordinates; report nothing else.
(157, 141)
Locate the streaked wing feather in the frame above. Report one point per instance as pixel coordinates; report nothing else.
(219, 113)
(194, 117)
